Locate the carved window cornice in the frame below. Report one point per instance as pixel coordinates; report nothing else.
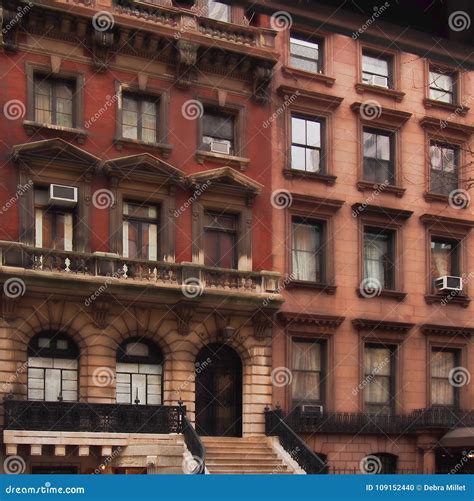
(366, 324)
(446, 330)
(312, 319)
(371, 113)
(396, 215)
(318, 100)
(447, 130)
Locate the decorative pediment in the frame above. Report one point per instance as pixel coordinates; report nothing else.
(224, 179)
(445, 129)
(367, 324)
(447, 330)
(145, 167)
(313, 319)
(372, 113)
(64, 154)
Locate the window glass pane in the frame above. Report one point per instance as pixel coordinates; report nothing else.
(304, 48)
(218, 126)
(133, 229)
(370, 145)
(306, 252)
(313, 160)
(442, 392)
(377, 361)
(383, 147)
(52, 384)
(43, 100)
(377, 390)
(298, 158)
(442, 362)
(136, 349)
(47, 229)
(442, 257)
(139, 388)
(375, 65)
(306, 356)
(313, 133)
(130, 118)
(64, 97)
(218, 11)
(211, 253)
(306, 386)
(227, 251)
(298, 130)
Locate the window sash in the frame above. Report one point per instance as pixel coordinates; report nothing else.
(378, 161)
(307, 150)
(371, 68)
(140, 232)
(140, 118)
(54, 229)
(308, 371)
(444, 171)
(442, 87)
(301, 59)
(218, 11)
(442, 391)
(307, 252)
(48, 378)
(379, 258)
(54, 101)
(444, 258)
(142, 381)
(379, 375)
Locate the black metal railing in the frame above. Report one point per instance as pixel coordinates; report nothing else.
(292, 443)
(193, 442)
(80, 416)
(364, 423)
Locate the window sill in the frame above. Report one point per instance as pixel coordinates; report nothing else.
(317, 77)
(458, 109)
(384, 293)
(163, 148)
(315, 176)
(32, 127)
(438, 197)
(209, 156)
(381, 91)
(445, 299)
(327, 288)
(381, 188)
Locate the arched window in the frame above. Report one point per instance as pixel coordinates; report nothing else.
(139, 373)
(52, 368)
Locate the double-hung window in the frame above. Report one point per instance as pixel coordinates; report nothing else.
(306, 144)
(140, 117)
(443, 392)
(444, 161)
(307, 251)
(307, 370)
(376, 70)
(54, 101)
(140, 231)
(379, 165)
(379, 363)
(442, 86)
(220, 240)
(379, 265)
(306, 54)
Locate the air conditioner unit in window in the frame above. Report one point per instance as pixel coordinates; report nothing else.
(218, 145)
(63, 196)
(448, 283)
(311, 409)
(375, 80)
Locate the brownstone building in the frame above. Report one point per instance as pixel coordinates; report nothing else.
(213, 209)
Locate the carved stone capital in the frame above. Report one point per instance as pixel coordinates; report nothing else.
(100, 310)
(183, 312)
(262, 78)
(102, 43)
(262, 324)
(187, 59)
(9, 307)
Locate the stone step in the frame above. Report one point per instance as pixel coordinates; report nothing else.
(232, 461)
(242, 456)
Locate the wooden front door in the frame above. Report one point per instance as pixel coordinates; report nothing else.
(218, 391)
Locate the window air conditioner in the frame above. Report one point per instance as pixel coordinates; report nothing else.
(375, 80)
(64, 196)
(311, 409)
(218, 145)
(448, 283)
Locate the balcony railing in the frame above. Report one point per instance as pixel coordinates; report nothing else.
(342, 422)
(85, 417)
(193, 278)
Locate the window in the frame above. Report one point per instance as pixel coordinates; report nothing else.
(379, 165)
(443, 168)
(307, 370)
(218, 132)
(52, 368)
(306, 55)
(388, 463)
(444, 257)
(140, 117)
(218, 11)
(376, 70)
(306, 144)
(379, 265)
(220, 240)
(139, 373)
(140, 231)
(54, 101)
(307, 251)
(442, 86)
(54, 226)
(442, 363)
(378, 372)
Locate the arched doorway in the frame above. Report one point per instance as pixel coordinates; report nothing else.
(218, 391)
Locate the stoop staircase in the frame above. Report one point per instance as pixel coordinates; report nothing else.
(250, 455)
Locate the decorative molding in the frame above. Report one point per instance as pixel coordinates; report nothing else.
(183, 312)
(329, 289)
(314, 77)
(363, 209)
(317, 204)
(102, 45)
(380, 188)
(10, 27)
(431, 220)
(446, 299)
(9, 307)
(324, 102)
(315, 319)
(445, 128)
(328, 179)
(371, 114)
(187, 59)
(446, 330)
(220, 158)
(381, 325)
(457, 109)
(262, 78)
(384, 293)
(262, 321)
(382, 91)
(100, 310)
